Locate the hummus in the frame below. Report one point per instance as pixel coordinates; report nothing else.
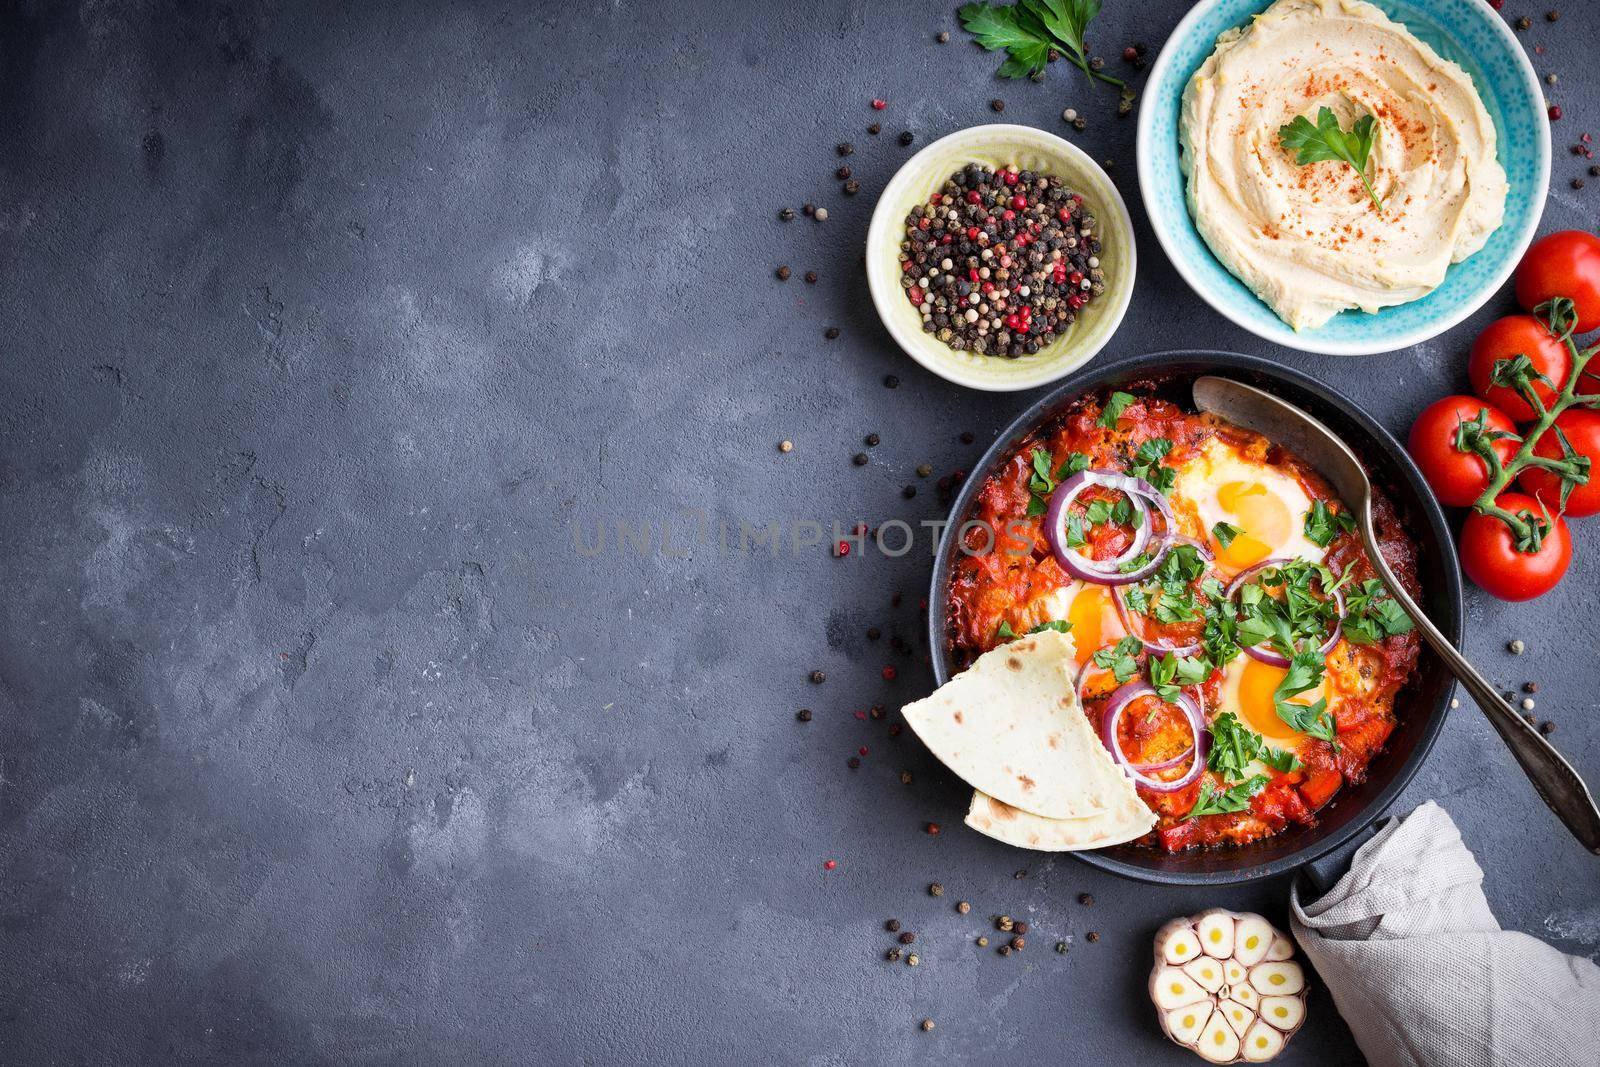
(1308, 239)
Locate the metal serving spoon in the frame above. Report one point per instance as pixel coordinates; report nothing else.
(1558, 785)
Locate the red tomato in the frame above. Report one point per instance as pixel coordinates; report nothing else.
(1456, 478)
(1490, 557)
(1518, 335)
(1565, 263)
(1582, 427)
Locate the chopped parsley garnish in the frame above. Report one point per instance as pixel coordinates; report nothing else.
(1234, 746)
(1040, 483)
(1120, 660)
(1147, 464)
(1060, 626)
(1116, 404)
(1076, 463)
(1225, 532)
(1213, 801)
(1075, 538)
(1371, 614)
(1322, 525)
(1170, 673)
(1305, 673)
(1005, 632)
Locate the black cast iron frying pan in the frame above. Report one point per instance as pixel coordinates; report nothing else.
(1421, 706)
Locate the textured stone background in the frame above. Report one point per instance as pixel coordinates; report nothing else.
(319, 742)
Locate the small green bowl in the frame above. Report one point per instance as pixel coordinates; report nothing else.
(997, 146)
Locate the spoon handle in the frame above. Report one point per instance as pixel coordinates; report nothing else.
(1555, 780)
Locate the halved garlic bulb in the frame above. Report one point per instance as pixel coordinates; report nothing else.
(1224, 986)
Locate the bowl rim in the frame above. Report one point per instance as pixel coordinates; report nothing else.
(919, 346)
(1307, 341)
(1432, 520)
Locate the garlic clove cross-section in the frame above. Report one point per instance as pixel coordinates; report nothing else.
(1225, 986)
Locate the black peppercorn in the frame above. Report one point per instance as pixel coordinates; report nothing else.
(873, 633)
(997, 104)
(811, 277)
(852, 187)
(859, 459)
(906, 137)
(787, 214)
(817, 677)
(854, 763)
(804, 714)
(875, 129)
(872, 440)
(783, 274)
(907, 938)
(831, 332)
(890, 381)
(846, 148)
(909, 491)
(967, 438)
(808, 210)
(893, 926)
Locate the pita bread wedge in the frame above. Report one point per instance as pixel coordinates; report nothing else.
(1127, 820)
(1011, 726)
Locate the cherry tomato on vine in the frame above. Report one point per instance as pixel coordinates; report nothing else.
(1582, 427)
(1490, 556)
(1457, 478)
(1564, 263)
(1507, 338)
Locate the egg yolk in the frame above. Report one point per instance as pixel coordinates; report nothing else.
(1257, 683)
(1087, 616)
(1260, 514)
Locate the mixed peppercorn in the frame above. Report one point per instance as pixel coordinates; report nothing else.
(1000, 262)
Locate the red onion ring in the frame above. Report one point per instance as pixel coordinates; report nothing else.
(1261, 652)
(1161, 644)
(1120, 702)
(1141, 494)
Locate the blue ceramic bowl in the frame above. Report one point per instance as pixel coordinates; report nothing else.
(1469, 32)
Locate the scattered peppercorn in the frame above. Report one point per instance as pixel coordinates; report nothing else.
(875, 129)
(1577, 183)
(1092, 936)
(872, 440)
(831, 333)
(783, 274)
(909, 491)
(804, 714)
(808, 210)
(873, 633)
(1551, 79)
(1530, 720)
(1018, 943)
(811, 277)
(1080, 123)
(785, 446)
(907, 938)
(906, 137)
(1530, 687)
(843, 172)
(1524, 22)
(1005, 950)
(1554, 111)
(1086, 900)
(787, 214)
(1004, 923)
(817, 677)
(854, 763)
(1516, 647)
(845, 148)
(1020, 926)
(893, 955)
(924, 469)
(1527, 704)
(905, 779)
(944, 37)
(1594, 171)
(963, 907)
(893, 926)
(1061, 947)
(932, 828)
(997, 104)
(1547, 728)
(852, 187)
(1130, 53)
(859, 459)
(894, 729)
(1020, 874)
(1552, 16)
(927, 1024)
(890, 381)
(830, 865)
(982, 942)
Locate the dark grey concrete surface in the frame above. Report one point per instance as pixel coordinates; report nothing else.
(320, 327)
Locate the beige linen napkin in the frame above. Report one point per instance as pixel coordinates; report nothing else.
(1422, 972)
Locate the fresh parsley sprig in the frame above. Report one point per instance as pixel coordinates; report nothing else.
(1214, 801)
(1325, 141)
(1033, 32)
